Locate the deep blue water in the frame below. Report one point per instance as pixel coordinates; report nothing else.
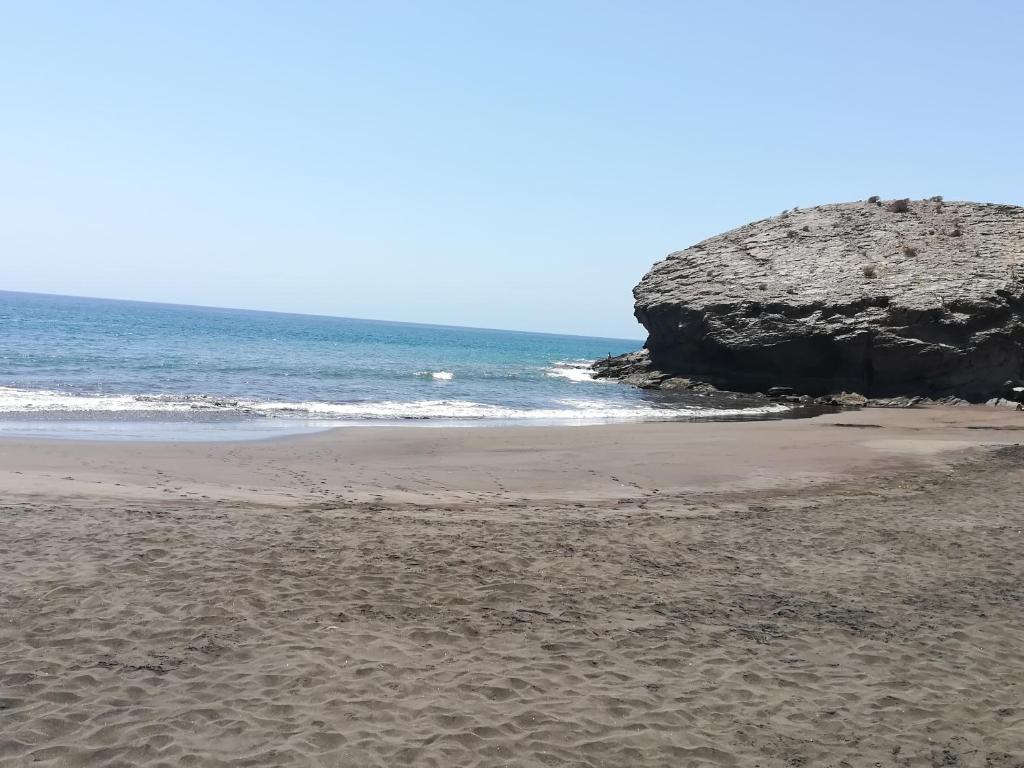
(93, 361)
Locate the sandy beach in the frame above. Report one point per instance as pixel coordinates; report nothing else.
(839, 591)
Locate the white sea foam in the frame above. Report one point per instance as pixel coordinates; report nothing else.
(37, 400)
(437, 375)
(459, 409)
(570, 410)
(573, 370)
(567, 410)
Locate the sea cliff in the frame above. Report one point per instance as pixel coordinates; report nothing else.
(887, 299)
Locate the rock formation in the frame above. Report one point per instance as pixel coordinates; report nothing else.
(884, 298)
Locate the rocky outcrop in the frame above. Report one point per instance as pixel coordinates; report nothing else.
(888, 299)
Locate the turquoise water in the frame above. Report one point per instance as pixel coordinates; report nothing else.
(95, 368)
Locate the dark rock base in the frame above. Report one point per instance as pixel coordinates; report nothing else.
(638, 370)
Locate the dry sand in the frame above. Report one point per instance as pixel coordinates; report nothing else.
(842, 591)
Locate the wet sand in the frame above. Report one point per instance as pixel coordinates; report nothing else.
(846, 590)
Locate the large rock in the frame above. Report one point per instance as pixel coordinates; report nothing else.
(884, 298)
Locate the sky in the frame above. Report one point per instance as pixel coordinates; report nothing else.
(511, 165)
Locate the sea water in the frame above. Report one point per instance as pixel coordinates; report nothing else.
(80, 367)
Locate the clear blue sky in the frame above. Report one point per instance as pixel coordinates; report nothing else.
(502, 164)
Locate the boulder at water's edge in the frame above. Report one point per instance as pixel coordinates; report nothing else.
(882, 298)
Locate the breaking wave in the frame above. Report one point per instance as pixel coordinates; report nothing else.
(437, 375)
(575, 370)
(14, 401)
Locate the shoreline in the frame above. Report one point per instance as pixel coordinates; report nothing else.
(838, 590)
(411, 462)
(227, 426)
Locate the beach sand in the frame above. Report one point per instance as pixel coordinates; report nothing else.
(840, 591)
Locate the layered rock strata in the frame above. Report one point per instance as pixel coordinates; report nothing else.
(884, 298)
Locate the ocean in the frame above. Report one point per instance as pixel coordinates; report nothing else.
(96, 368)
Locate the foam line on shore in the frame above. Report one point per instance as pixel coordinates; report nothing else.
(21, 401)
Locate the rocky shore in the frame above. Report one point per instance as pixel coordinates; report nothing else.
(636, 369)
(888, 302)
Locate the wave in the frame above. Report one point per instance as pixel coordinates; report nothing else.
(40, 400)
(573, 370)
(437, 375)
(466, 410)
(13, 401)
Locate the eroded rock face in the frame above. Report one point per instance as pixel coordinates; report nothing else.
(884, 298)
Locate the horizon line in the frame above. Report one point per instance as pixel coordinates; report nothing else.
(308, 314)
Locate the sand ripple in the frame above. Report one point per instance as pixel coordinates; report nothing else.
(835, 626)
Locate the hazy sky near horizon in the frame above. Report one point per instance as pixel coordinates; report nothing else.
(510, 165)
